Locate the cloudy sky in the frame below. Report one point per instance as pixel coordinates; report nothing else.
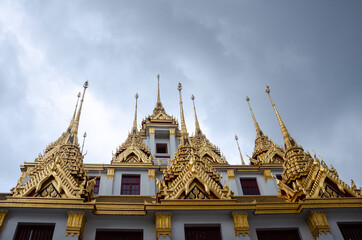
(309, 52)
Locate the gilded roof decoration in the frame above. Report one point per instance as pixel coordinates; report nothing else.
(265, 150)
(59, 172)
(133, 150)
(202, 145)
(305, 176)
(189, 176)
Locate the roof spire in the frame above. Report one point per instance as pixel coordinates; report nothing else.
(76, 106)
(73, 138)
(259, 133)
(158, 90)
(241, 156)
(134, 129)
(288, 140)
(84, 136)
(184, 134)
(197, 125)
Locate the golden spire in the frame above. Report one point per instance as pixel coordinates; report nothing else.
(158, 90)
(241, 156)
(197, 125)
(259, 133)
(184, 134)
(84, 136)
(76, 106)
(73, 138)
(288, 140)
(134, 129)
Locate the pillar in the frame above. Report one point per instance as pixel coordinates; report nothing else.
(152, 182)
(172, 142)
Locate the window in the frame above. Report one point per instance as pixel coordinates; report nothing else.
(130, 185)
(279, 234)
(161, 148)
(30, 231)
(201, 232)
(119, 234)
(249, 186)
(96, 186)
(351, 231)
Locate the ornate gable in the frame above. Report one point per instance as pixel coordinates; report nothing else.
(189, 176)
(307, 177)
(133, 150)
(59, 173)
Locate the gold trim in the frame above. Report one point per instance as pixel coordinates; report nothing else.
(151, 131)
(231, 174)
(3, 214)
(75, 224)
(172, 131)
(241, 225)
(268, 174)
(163, 224)
(110, 173)
(317, 223)
(151, 174)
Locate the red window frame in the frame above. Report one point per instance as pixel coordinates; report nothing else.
(249, 186)
(130, 185)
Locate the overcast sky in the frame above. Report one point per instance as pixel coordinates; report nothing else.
(308, 52)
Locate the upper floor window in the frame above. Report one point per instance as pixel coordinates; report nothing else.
(130, 185)
(34, 231)
(161, 148)
(249, 186)
(114, 234)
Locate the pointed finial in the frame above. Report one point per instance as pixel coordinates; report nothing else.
(76, 106)
(259, 133)
(184, 133)
(84, 136)
(134, 129)
(241, 156)
(288, 140)
(197, 125)
(158, 89)
(73, 138)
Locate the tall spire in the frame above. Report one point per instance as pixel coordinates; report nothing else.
(158, 90)
(84, 136)
(73, 138)
(288, 140)
(184, 134)
(76, 106)
(197, 125)
(134, 129)
(259, 133)
(241, 156)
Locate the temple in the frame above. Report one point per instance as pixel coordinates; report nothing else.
(163, 183)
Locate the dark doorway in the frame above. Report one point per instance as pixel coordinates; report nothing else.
(280, 234)
(202, 233)
(108, 234)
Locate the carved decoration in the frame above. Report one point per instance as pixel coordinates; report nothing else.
(59, 171)
(268, 174)
(317, 223)
(188, 170)
(133, 150)
(151, 174)
(3, 214)
(241, 225)
(206, 149)
(75, 224)
(163, 224)
(231, 174)
(110, 173)
(172, 131)
(49, 191)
